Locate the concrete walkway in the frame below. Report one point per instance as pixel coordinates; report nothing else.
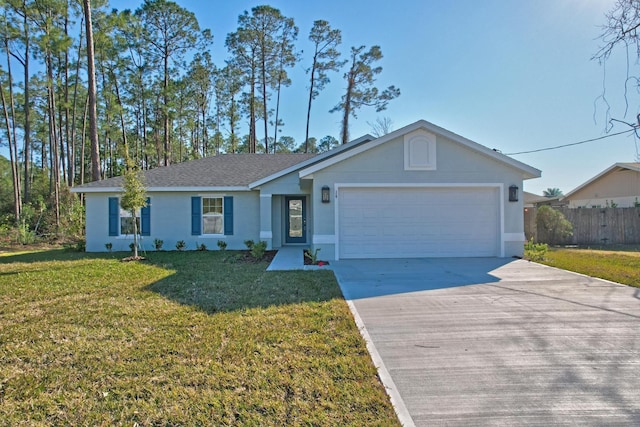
(477, 342)
(291, 258)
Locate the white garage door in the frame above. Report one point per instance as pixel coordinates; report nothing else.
(418, 222)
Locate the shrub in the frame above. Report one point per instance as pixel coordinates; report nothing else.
(180, 245)
(157, 243)
(222, 245)
(535, 251)
(26, 236)
(108, 246)
(258, 250)
(132, 246)
(201, 247)
(249, 244)
(313, 256)
(554, 223)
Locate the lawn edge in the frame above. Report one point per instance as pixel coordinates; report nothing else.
(582, 274)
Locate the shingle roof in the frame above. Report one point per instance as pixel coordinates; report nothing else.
(225, 170)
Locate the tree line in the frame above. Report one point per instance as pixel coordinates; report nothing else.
(85, 88)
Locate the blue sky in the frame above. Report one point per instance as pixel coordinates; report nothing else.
(511, 75)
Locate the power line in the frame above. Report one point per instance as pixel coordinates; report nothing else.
(569, 145)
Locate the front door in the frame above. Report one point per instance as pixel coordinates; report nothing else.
(296, 227)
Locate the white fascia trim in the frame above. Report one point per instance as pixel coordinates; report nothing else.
(498, 186)
(420, 184)
(323, 239)
(266, 235)
(162, 189)
(528, 171)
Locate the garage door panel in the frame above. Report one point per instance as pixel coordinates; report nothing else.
(418, 222)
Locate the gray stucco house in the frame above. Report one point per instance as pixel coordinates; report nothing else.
(420, 191)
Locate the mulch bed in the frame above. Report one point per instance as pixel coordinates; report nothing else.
(246, 257)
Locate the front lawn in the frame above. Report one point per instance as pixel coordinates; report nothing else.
(185, 338)
(617, 266)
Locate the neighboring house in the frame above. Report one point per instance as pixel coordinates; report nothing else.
(420, 191)
(617, 186)
(534, 201)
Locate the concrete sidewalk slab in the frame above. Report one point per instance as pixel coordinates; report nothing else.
(500, 342)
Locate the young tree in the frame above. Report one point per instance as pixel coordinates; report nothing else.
(133, 198)
(361, 91)
(325, 58)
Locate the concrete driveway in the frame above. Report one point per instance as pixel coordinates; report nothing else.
(498, 341)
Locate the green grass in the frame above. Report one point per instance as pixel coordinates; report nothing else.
(189, 338)
(617, 266)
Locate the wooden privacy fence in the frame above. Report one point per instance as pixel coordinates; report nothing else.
(591, 226)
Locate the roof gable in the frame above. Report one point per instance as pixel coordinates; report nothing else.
(635, 167)
(527, 171)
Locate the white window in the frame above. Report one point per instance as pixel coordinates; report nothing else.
(212, 219)
(126, 222)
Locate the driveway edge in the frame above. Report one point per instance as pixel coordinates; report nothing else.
(390, 387)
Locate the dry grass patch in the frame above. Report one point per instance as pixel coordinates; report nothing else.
(180, 339)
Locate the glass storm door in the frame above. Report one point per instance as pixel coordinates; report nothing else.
(296, 220)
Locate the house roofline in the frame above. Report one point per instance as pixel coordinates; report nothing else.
(628, 166)
(528, 171)
(311, 161)
(161, 189)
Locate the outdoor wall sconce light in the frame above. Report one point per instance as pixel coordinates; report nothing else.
(513, 193)
(326, 192)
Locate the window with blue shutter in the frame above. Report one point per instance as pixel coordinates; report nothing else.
(145, 219)
(196, 216)
(114, 216)
(228, 215)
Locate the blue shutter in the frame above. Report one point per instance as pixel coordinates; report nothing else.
(196, 216)
(228, 216)
(114, 216)
(145, 219)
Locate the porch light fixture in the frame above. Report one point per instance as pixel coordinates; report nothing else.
(326, 192)
(513, 193)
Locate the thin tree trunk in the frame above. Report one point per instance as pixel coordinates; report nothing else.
(313, 82)
(275, 133)
(264, 105)
(72, 159)
(61, 149)
(91, 80)
(12, 154)
(122, 121)
(252, 116)
(12, 138)
(53, 141)
(165, 113)
(27, 111)
(84, 139)
(66, 105)
(347, 111)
